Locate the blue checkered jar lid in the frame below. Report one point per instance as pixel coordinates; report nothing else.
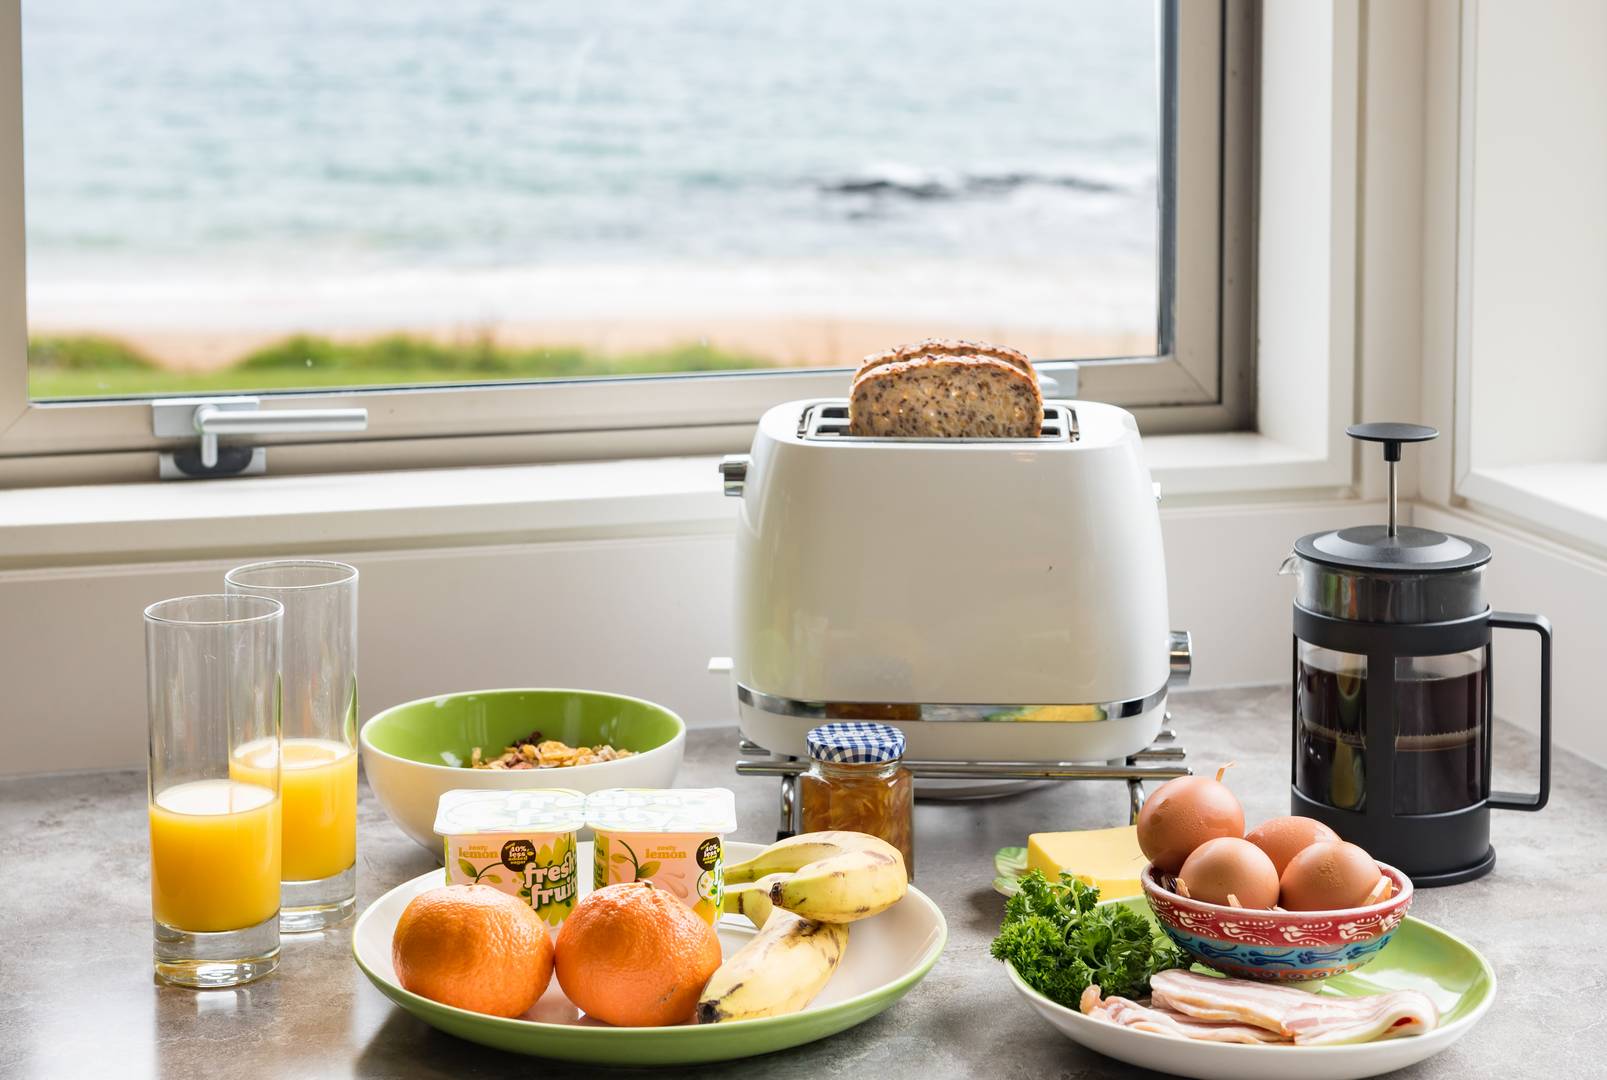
(856, 743)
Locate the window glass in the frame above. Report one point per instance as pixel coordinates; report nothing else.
(243, 195)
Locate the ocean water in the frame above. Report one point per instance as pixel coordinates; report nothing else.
(326, 162)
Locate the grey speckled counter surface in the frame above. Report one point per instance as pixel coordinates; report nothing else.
(77, 997)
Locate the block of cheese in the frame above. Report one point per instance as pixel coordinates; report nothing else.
(1107, 858)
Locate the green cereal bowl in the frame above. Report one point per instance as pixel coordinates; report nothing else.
(414, 752)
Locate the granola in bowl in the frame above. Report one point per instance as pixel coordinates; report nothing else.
(534, 752)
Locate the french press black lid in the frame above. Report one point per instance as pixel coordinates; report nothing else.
(1392, 667)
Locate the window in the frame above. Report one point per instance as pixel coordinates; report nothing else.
(609, 229)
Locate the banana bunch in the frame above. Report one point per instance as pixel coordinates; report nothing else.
(780, 969)
(801, 893)
(835, 877)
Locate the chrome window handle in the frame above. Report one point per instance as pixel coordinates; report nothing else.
(208, 418)
(212, 421)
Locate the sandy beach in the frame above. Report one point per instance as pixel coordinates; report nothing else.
(786, 342)
(792, 314)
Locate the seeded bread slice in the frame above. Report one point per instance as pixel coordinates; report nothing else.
(948, 347)
(934, 397)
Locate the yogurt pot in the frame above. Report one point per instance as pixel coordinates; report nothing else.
(673, 837)
(521, 842)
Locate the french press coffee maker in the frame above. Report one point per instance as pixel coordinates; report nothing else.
(1392, 670)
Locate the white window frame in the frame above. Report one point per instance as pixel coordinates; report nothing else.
(1562, 496)
(1202, 381)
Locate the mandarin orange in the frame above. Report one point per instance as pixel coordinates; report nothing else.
(633, 955)
(474, 947)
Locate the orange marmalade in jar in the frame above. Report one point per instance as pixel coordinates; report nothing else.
(857, 781)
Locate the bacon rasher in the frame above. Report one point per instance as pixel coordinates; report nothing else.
(1125, 1013)
(1376, 1016)
(1306, 1018)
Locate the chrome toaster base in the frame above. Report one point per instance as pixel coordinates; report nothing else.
(1161, 760)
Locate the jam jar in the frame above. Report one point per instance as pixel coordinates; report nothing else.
(857, 782)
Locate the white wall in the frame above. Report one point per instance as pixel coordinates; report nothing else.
(1306, 228)
(1390, 251)
(641, 616)
(1436, 346)
(1528, 574)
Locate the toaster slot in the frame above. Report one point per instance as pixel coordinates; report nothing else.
(828, 421)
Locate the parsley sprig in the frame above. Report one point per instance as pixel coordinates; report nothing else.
(1059, 941)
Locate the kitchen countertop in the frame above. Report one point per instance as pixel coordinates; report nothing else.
(77, 997)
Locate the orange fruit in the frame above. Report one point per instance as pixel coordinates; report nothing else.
(633, 955)
(474, 947)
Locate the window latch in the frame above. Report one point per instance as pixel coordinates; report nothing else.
(207, 419)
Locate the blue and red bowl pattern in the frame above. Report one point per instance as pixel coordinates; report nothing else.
(1278, 946)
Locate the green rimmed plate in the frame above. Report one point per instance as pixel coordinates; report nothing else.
(1420, 957)
(887, 955)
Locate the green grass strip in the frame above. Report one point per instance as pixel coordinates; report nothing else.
(95, 366)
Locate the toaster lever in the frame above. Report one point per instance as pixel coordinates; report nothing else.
(1180, 651)
(734, 471)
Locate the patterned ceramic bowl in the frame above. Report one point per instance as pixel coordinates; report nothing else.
(1277, 946)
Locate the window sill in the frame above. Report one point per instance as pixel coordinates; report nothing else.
(1238, 463)
(1566, 500)
(118, 523)
(149, 522)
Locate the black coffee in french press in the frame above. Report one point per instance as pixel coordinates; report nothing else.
(1392, 681)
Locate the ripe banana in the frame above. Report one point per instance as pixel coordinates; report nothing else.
(796, 852)
(844, 887)
(780, 970)
(751, 899)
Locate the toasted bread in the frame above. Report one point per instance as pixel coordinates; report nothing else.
(943, 396)
(948, 347)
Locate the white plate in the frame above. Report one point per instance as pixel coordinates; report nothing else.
(887, 955)
(1233, 1061)
(941, 789)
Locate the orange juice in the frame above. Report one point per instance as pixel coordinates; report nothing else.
(318, 789)
(214, 856)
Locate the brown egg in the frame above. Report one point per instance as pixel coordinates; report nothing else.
(1284, 837)
(1183, 814)
(1229, 870)
(1328, 875)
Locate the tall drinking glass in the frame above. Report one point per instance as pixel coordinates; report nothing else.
(318, 764)
(212, 694)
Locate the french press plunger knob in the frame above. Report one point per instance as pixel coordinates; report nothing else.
(1392, 435)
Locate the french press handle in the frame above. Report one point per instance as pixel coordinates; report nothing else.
(1517, 800)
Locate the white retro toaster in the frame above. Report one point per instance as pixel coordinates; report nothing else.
(997, 599)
